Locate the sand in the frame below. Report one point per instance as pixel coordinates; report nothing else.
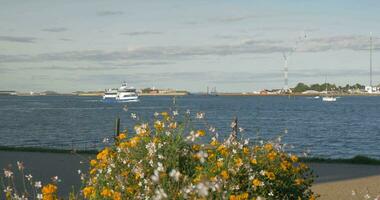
(350, 189)
(334, 181)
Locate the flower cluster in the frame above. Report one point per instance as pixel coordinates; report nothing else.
(170, 160)
(31, 189)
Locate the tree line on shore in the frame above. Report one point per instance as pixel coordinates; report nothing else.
(302, 87)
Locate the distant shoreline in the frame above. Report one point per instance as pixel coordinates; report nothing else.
(354, 160)
(200, 94)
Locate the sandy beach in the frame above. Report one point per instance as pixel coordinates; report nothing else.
(334, 181)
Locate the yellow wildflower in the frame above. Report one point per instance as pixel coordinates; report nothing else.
(224, 174)
(196, 147)
(245, 150)
(214, 143)
(156, 140)
(116, 196)
(256, 182)
(164, 114)
(103, 154)
(238, 162)
(219, 164)
(173, 125)
(158, 125)
(122, 136)
(49, 192)
(303, 166)
(294, 158)
(270, 175)
(88, 192)
(134, 141)
(201, 133)
(130, 190)
(93, 171)
(272, 155)
(106, 192)
(285, 165)
(243, 196)
(257, 148)
(223, 150)
(268, 147)
(298, 181)
(93, 162)
(254, 161)
(211, 156)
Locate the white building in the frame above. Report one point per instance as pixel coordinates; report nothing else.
(372, 89)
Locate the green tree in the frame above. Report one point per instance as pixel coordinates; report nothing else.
(301, 87)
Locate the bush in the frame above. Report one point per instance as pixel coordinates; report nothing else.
(163, 162)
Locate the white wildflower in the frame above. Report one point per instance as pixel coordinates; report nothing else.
(175, 174)
(160, 167)
(133, 116)
(55, 179)
(155, 177)
(212, 129)
(38, 184)
(159, 194)
(200, 115)
(151, 163)
(8, 173)
(192, 136)
(20, 165)
(29, 177)
(175, 112)
(233, 124)
(8, 190)
(156, 114)
(151, 147)
(202, 189)
(202, 155)
(105, 140)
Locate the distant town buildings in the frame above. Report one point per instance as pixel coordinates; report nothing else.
(7, 93)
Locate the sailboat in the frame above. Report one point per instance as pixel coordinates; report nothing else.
(328, 98)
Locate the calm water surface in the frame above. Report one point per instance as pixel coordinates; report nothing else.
(348, 127)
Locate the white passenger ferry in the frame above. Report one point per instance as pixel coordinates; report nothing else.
(123, 94)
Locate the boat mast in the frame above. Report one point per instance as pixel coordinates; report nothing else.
(370, 59)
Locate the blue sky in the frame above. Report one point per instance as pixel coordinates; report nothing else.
(232, 45)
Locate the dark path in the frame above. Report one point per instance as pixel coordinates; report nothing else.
(43, 166)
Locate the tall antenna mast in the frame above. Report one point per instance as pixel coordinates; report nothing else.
(370, 59)
(286, 86)
(286, 56)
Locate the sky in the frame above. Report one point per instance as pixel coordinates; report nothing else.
(235, 46)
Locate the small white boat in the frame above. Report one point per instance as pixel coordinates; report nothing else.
(316, 97)
(329, 98)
